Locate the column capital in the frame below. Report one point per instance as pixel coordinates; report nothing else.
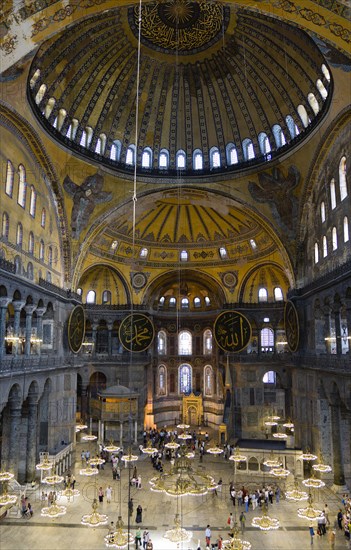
(4, 302)
(40, 311)
(18, 305)
(29, 309)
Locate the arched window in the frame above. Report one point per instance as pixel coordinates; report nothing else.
(19, 235)
(185, 303)
(22, 186)
(130, 155)
(34, 78)
(161, 301)
(267, 340)
(79, 291)
(18, 265)
(311, 98)
(303, 115)
(10, 173)
(334, 239)
(265, 146)
(316, 253)
(163, 159)
(144, 252)
(86, 137)
(263, 295)
(50, 256)
(248, 149)
(31, 243)
(5, 226)
(332, 194)
(43, 217)
(215, 158)
(346, 230)
(232, 154)
(61, 118)
(172, 302)
(208, 380)
(207, 341)
(322, 89)
(253, 244)
(207, 301)
(197, 160)
(30, 273)
(49, 108)
(185, 343)
(91, 297)
(290, 123)
(40, 94)
(183, 256)
(41, 250)
(197, 302)
(115, 152)
(72, 129)
(223, 253)
(325, 247)
(326, 72)
(162, 382)
(180, 159)
(342, 179)
(48, 276)
(322, 211)
(33, 201)
(278, 135)
(161, 342)
(278, 294)
(270, 377)
(106, 297)
(185, 379)
(146, 159)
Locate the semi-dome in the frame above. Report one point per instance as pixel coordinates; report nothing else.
(220, 87)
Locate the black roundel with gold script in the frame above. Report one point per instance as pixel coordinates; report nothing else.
(76, 328)
(232, 331)
(291, 324)
(136, 332)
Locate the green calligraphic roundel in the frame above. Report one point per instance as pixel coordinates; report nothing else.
(232, 331)
(76, 328)
(291, 325)
(136, 332)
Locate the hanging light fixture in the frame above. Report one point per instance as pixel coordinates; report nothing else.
(119, 538)
(149, 450)
(308, 456)
(289, 425)
(214, 450)
(296, 494)
(178, 534)
(129, 457)
(280, 435)
(322, 468)
(54, 510)
(53, 479)
(81, 426)
(94, 519)
(46, 464)
(184, 436)
(236, 543)
(313, 483)
(96, 461)
(309, 513)
(265, 522)
(279, 472)
(272, 462)
(6, 476)
(237, 457)
(89, 437)
(7, 498)
(111, 448)
(89, 471)
(183, 426)
(272, 420)
(173, 445)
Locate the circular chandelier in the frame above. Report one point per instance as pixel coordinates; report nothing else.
(308, 456)
(111, 448)
(237, 457)
(309, 513)
(183, 426)
(80, 427)
(119, 538)
(184, 436)
(69, 493)
(89, 471)
(279, 472)
(173, 445)
(53, 511)
(149, 450)
(6, 498)
(272, 462)
(289, 425)
(296, 494)
(280, 435)
(94, 519)
(236, 543)
(313, 482)
(89, 437)
(265, 522)
(178, 533)
(214, 450)
(53, 480)
(6, 476)
(97, 461)
(272, 420)
(129, 457)
(182, 480)
(46, 464)
(323, 468)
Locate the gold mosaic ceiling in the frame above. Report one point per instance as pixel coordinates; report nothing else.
(211, 75)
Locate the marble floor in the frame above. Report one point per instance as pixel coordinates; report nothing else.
(40, 533)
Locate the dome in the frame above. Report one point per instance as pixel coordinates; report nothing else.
(220, 88)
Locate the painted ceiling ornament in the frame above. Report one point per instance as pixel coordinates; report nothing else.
(291, 325)
(232, 331)
(276, 189)
(85, 198)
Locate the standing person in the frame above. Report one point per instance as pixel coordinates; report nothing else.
(311, 532)
(146, 537)
(219, 485)
(242, 520)
(219, 543)
(339, 518)
(138, 538)
(230, 521)
(108, 494)
(139, 514)
(101, 494)
(130, 507)
(208, 536)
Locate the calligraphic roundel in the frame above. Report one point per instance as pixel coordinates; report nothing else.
(291, 324)
(76, 328)
(232, 331)
(136, 332)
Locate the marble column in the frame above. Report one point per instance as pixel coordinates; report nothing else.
(121, 434)
(109, 348)
(336, 313)
(16, 324)
(338, 468)
(15, 428)
(4, 302)
(40, 312)
(135, 432)
(32, 435)
(29, 317)
(94, 327)
(84, 404)
(327, 331)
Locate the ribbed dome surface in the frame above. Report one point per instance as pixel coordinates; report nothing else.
(211, 76)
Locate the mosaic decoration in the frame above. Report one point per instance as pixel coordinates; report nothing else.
(232, 331)
(138, 280)
(136, 332)
(291, 324)
(180, 25)
(229, 279)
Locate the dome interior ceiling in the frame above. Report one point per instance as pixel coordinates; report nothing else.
(218, 85)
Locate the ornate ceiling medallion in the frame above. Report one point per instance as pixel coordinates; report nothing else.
(180, 26)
